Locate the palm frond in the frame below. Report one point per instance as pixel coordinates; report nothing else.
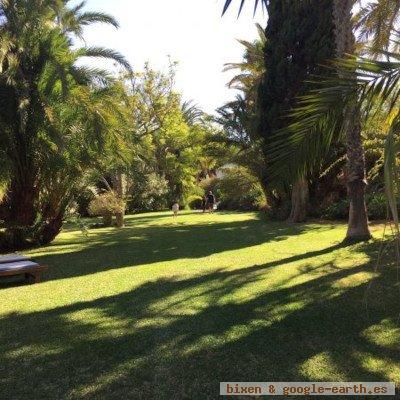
(318, 120)
(101, 52)
(90, 17)
(392, 148)
(84, 75)
(78, 7)
(191, 112)
(264, 3)
(376, 23)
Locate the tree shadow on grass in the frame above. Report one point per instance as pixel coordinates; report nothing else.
(130, 220)
(177, 339)
(140, 245)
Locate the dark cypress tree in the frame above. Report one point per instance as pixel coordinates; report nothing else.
(300, 40)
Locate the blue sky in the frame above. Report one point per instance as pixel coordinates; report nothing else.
(192, 32)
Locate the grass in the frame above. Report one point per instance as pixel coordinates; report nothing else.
(164, 310)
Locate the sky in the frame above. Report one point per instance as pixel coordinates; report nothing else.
(191, 32)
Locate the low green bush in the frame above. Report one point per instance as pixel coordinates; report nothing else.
(336, 211)
(237, 189)
(376, 207)
(195, 202)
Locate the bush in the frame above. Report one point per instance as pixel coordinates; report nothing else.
(337, 210)
(376, 207)
(150, 193)
(279, 211)
(105, 204)
(83, 199)
(195, 202)
(237, 189)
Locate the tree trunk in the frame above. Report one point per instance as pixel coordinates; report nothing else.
(107, 219)
(51, 229)
(22, 196)
(119, 182)
(20, 209)
(119, 217)
(357, 229)
(356, 177)
(52, 214)
(300, 194)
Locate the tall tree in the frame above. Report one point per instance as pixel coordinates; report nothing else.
(299, 39)
(356, 175)
(341, 17)
(239, 118)
(38, 65)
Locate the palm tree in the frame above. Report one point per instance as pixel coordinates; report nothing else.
(239, 117)
(92, 121)
(36, 60)
(252, 68)
(264, 3)
(239, 124)
(377, 24)
(192, 113)
(375, 85)
(356, 177)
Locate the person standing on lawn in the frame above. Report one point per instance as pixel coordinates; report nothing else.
(210, 201)
(175, 209)
(204, 203)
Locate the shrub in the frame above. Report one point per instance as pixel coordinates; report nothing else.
(279, 211)
(83, 199)
(106, 204)
(150, 193)
(237, 189)
(195, 202)
(376, 207)
(337, 210)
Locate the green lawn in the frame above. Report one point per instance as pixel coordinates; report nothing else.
(164, 310)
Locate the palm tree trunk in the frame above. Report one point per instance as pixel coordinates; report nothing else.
(20, 202)
(23, 192)
(356, 177)
(299, 201)
(119, 184)
(51, 229)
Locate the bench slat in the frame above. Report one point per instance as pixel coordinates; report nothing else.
(20, 265)
(9, 258)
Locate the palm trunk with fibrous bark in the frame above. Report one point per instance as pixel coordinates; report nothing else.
(356, 175)
(119, 185)
(300, 195)
(22, 194)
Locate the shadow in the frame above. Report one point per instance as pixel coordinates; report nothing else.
(130, 220)
(153, 217)
(178, 338)
(135, 245)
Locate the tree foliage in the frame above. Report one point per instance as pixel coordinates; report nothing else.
(43, 89)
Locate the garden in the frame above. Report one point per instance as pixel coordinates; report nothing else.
(168, 226)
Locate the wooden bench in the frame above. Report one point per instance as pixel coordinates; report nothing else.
(8, 258)
(30, 269)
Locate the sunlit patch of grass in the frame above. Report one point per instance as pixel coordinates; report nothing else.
(322, 367)
(385, 334)
(386, 367)
(167, 309)
(360, 278)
